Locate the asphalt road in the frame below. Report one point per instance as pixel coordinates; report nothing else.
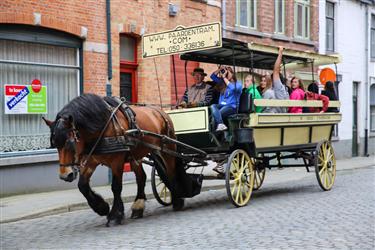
(289, 215)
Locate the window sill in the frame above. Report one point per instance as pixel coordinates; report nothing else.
(248, 31)
(303, 41)
(281, 37)
(372, 59)
(32, 157)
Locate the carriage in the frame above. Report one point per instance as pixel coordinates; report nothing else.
(254, 142)
(92, 130)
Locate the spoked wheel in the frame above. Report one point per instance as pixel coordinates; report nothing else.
(239, 177)
(325, 165)
(260, 173)
(159, 189)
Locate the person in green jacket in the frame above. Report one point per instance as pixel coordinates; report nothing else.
(252, 89)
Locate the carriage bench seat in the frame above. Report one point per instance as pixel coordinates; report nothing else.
(289, 129)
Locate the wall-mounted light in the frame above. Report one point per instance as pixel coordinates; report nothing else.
(173, 9)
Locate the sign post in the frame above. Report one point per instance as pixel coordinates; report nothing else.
(182, 39)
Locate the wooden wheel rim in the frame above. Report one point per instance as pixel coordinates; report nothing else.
(325, 165)
(239, 177)
(160, 190)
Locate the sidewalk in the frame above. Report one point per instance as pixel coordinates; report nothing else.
(29, 206)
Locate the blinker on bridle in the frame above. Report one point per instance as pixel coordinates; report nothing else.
(71, 145)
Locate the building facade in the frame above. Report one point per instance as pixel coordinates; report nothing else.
(354, 39)
(291, 24)
(74, 47)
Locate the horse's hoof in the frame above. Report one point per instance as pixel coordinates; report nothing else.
(178, 204)
(102, 209)
(136, 214)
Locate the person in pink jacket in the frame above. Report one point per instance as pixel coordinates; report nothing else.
(298, 93)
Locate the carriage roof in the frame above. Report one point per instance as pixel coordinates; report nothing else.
(238, 53)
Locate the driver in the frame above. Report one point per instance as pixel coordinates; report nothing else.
(199, 94)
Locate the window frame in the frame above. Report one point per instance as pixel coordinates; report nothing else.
(248, 7)
(372, 41)
(372, 121)
(276, 31)
(130, 67)
(333, 28)
(305, 15)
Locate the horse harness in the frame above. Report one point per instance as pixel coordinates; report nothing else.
(124, 139)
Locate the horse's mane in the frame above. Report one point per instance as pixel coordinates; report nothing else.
(89, 112)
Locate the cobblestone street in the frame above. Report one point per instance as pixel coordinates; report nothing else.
(294, 214)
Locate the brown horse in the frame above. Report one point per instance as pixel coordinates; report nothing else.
(77, 128)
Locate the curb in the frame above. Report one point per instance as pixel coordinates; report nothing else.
(83, 205)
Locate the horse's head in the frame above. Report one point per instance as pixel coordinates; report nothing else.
(65, 137)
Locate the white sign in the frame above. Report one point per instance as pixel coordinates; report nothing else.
(182, 39)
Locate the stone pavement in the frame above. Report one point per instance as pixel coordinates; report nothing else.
(294, 214)
(35, 205)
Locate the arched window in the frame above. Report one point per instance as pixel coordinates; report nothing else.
(52, 60)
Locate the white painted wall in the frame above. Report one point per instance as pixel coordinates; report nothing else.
(350, 43)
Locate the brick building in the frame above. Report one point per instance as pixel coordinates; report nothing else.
(64, 45)
(289, 23)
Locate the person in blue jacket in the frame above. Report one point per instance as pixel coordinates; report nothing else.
(229, 96)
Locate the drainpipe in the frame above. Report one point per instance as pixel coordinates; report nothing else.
(223, 17)
(109, 45)
(367, 58)
(108, 86)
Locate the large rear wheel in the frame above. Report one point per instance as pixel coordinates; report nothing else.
(325, 165)
(159, 189)
(239, 177)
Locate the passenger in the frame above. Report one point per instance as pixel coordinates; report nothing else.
(298, 93)
(329, 91)
(229, 97)
(269, 93)
(262, 84)
(250, 88)
(312, 93)
(199, 94)
(278, 79)
(216, 90)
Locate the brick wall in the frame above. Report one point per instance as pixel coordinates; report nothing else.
(68, 16)
(133, 16)
(128, 17)
(264, 33)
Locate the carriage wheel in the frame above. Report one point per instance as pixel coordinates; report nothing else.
(159, 189)
(325, 165)
(260, 173)
(239, 177)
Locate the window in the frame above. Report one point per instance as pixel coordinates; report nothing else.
(372, 108)
(128, 68)
(302, 19)
(280, 16)
(246, 13)
(373, 36)
(57, 68)
(330, 26)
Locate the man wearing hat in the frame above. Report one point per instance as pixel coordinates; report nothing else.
(199, 94)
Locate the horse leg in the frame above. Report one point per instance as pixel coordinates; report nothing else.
(139, 202)
(95, 201)
(117, 211)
